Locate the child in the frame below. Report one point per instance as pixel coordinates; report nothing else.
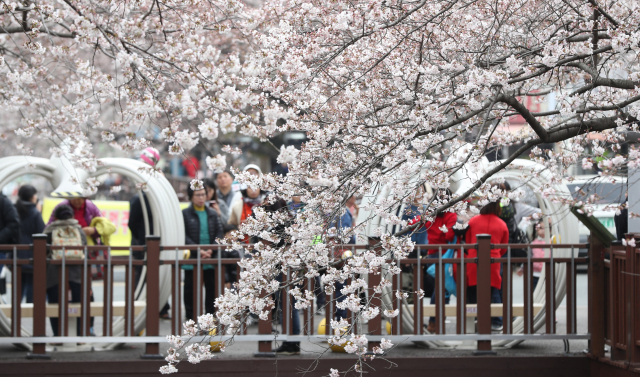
(538, 235)
(64, 223)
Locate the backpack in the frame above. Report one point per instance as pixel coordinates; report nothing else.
(67, 235)
(516, 235)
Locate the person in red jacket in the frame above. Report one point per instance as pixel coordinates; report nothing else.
(439, 232)
(487, 222)
(191, 165)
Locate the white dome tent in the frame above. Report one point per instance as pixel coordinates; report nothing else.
(164, 203)
(527, 173)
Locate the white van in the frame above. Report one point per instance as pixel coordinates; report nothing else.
(611, 191)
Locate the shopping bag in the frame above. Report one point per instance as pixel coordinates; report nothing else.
(450, 285)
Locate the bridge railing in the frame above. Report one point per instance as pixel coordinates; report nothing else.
(618, 271)
(464, 310)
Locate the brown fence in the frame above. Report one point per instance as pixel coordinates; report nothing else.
(462, 311)
(621, 309)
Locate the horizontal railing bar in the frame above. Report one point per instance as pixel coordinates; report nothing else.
(102, 262)
(18, 261)
(207, 261)
(226, 261)
(291, 338)
(546, 259)
(98, 248)
(435, 260)
(9, 248)
(540, 245)
(493, 260)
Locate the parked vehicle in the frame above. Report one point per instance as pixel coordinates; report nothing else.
(609, 193)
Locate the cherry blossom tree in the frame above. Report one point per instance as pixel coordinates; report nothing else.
(399, 94)
(391, 94)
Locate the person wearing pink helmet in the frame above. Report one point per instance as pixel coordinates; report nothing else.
(150, 156)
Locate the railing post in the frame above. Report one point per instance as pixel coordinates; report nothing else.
(39, 295)
(596, 296)
(152, 350)
(484, 293)
(633, 304)
(375, 324)
(264, 328)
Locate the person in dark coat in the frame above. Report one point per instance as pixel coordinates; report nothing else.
(202, 226)
(30, 223)
(622, 223)
(9, 226)
(139, 237)
(136, 221)
(149, 156)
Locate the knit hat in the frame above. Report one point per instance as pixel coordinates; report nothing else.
(150, 156)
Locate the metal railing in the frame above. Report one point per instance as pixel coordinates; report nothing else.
(374, 329)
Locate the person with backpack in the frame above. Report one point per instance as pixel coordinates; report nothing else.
(83, 211)
(512, 214)
(64, 230)
(30, 223)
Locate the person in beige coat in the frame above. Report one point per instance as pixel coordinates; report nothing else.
(241, 208)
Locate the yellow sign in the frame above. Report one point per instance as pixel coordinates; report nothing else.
(116, 211)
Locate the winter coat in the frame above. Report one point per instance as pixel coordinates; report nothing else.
(9, 222)
(30, 223)
(104, 228)
(53, 271)
(435, 235)
(486, 224)
(192, 227)
(90, 211)
(235, 212)
(232, 197)
(537, 252)
(136, 220)
(418, 236)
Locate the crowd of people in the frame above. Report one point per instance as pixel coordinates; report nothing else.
(75, 221)
(217, 209)
(503, 222)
